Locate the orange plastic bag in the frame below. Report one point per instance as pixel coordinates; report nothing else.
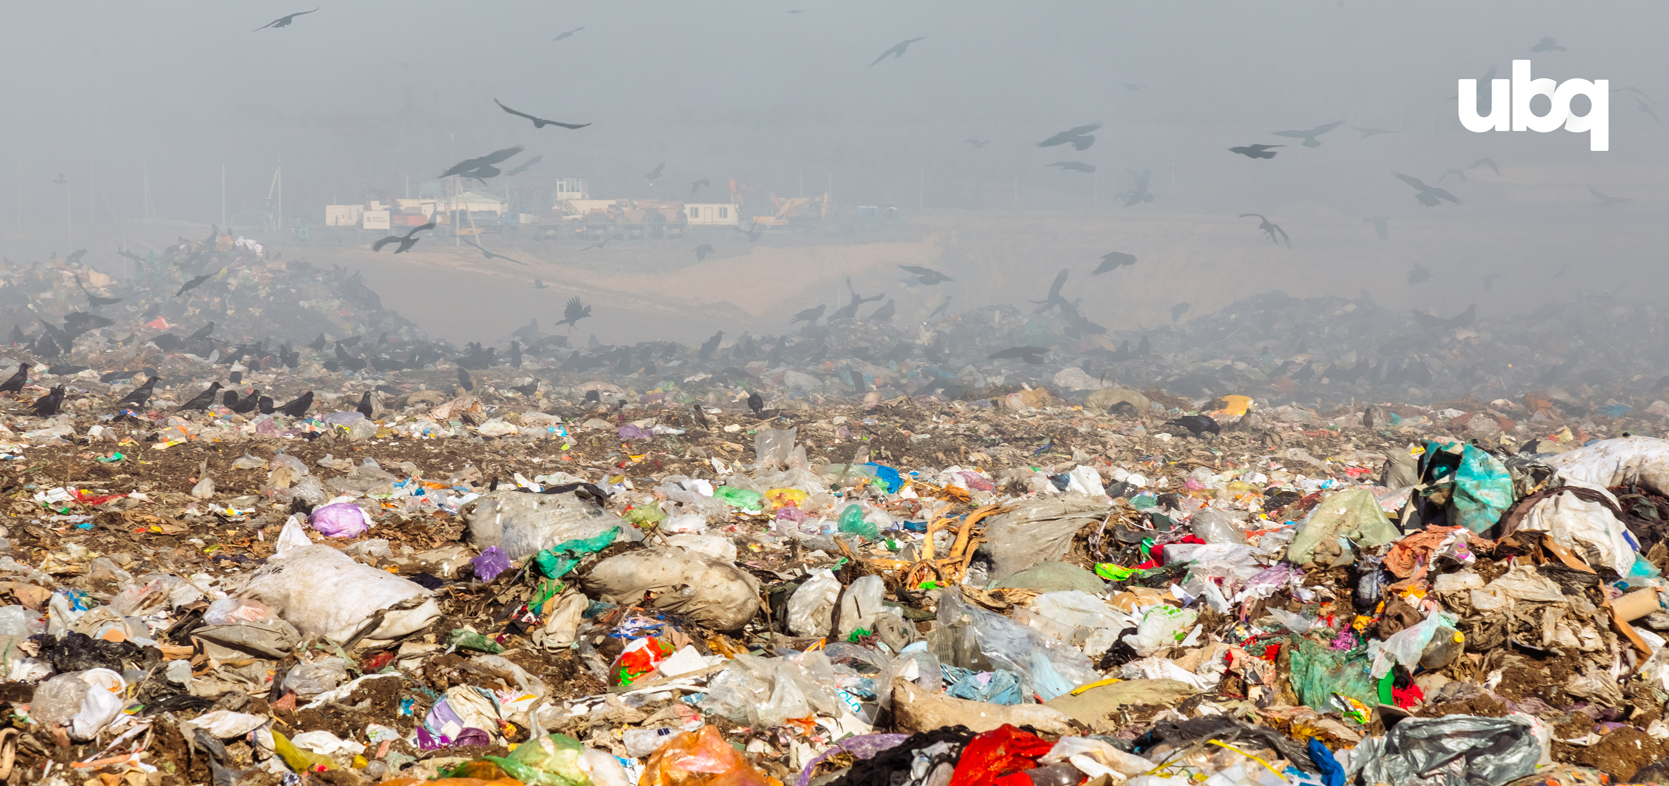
(701, 758)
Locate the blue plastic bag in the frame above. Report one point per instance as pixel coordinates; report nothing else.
(1483, 491)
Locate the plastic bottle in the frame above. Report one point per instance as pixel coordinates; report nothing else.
(852, 523)
(642, 742)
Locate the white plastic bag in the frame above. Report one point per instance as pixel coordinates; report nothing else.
(1587, 528)
(1162, 627)
(811, 607)
(323, 592)
(85, 701)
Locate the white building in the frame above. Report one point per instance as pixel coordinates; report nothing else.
(712, 214)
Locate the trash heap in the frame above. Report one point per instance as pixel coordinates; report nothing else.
(1132, 589)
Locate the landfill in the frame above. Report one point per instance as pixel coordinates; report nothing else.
(856, 554)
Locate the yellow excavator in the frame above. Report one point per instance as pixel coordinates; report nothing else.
(783, 211)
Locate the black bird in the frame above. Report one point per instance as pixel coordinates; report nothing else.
(530, 390)
(116, 376)
(850, 310)
(1198, 425)
(283, 21)
(1489, 162)
(573, 313)
(1379, 226)
(1456, 172)
(696, 186)
(318, 343)
(201, 333)
(756, 402)
(884, 313)
(1113, 260)
(297, 406)
(464, 381)
(1418, 274)
(1607, 201)
(16, 381)
(488, 254)
(977, 143)
(483, 166)
(247, 404)
(1370, 132)
(712, 344)
(1547, 44)
(17, 336)
(810, 315)
(1075, 166)
(406, 241)
(78, 323)
(65, 369)
(1031, 355)
(46, 406)
(657, 173)
(1138, 192)
(1080, 138)
(364, 407)
(925, 276)
(264, 405)
(1270, 228)
(1309, 136)
(605, 241)
(538, 122)
(1256, 151)
(1489, 280)
(1562, 270)
(95, 300)
(229, 399)
(1054, 299)
(569, 34)
(702, 251)
(203, 399)
(540, 284)
(515, 354)
(1428, 195)
(137, 397)
(1177, 311)
(939, 310)
(524, 166)
(753, 231)
(196, 282)
(897, 51)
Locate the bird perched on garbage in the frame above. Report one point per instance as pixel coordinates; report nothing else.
(297, 406)
(229, 398)
(884, 313)
(201, 333)
(569, 34)
(1198, 425)
(139, 396)
(482, 167)
(94, 300)
(697, 185)
(1076, 166)
(896, 51)
(1309, 136)
(810, 315)
(1080, 138)
(538, 122)
(573, 313)
(1270, 228)
(702, 251)
(1489, 280)
(202, 400)
(925, 276)
(710, 345)
(488, 254)
(1178, 310)
(283, 21)
(529, 390)
(1429, 196)
(756, 402)
(464, 380)
(656, 173)
(247, 404)
(1031, 355)
(1547, 44)
(406, 241)
(1607, 201)
(16, 381)
(46, 406)
(1418, 274)
(364, 407)
(196, 282)
(1113, 260)
(1256, 151)
(515, 354)
(1379, 226)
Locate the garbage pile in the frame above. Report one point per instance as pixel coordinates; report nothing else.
(591, 584)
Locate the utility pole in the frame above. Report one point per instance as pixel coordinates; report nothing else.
(90, 188)
(69, 219)
(19, 207)
(145, 209)
(223, 195)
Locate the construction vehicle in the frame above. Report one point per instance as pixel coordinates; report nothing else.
(782, 211)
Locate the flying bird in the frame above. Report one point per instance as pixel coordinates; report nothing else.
(1080, 137)
(1138, 192)
(1113, 260)
(538, 122)
(202, 400)
(60, 181)
(196, 282)
(488, 254)
(810, 315)
(574, 312)
(657, 173)
(697, 185)
(1031, 355)
(524, 166)
(1456, 172)
(976, 143)
(1640, 104)
(1427, 195)
(1309, 136)
(1054, 299)
(569, 34)
(1418, 274)
(1489, 280)
(925, 276)
(1561, 273)
(1547, 44)
(1178, 310)
(710, 345)
(702, 251)
(539, 283)
(1607, 201)
(1256, 151)
(1076, 166)
(897, 50)
(95, 300)
(1489, 162)
(940, 310)
(1371, 132)
(1270, 228)
(406, 241)
(1379, 226)
(283, 21)
(483, 166)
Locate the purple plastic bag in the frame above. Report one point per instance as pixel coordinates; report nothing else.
(630, 432)
(492, 562)
(341, 520)
(864, 747)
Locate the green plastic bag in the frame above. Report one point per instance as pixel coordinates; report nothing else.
(547, 761)
(1353, 514)
(745, 499)
(470, 640)
(1319, 671)
(1483, 491)
(852, 523)
(556, 561)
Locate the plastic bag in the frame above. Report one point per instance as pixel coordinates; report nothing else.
(85, 701)
(524, 524)
(1161, 628)
(1353, 515)
(1215, 526)
(1587, 528)
(311, 679)
(773, 446)
(1405, 647)
(1487, 750)
(704, 590)
(1046, 667)
(341, 520)
(1319, 671)
(769, 691)
(811, 607)
(231, 611)
(323, 592)
(859, 605)
(701, 758)
(489, 563)
(1038, 530)
(547, 761)
(1483, 491)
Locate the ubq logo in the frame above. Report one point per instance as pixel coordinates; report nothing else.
(1515, 95)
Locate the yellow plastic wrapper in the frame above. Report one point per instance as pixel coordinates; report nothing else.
(784, 497)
